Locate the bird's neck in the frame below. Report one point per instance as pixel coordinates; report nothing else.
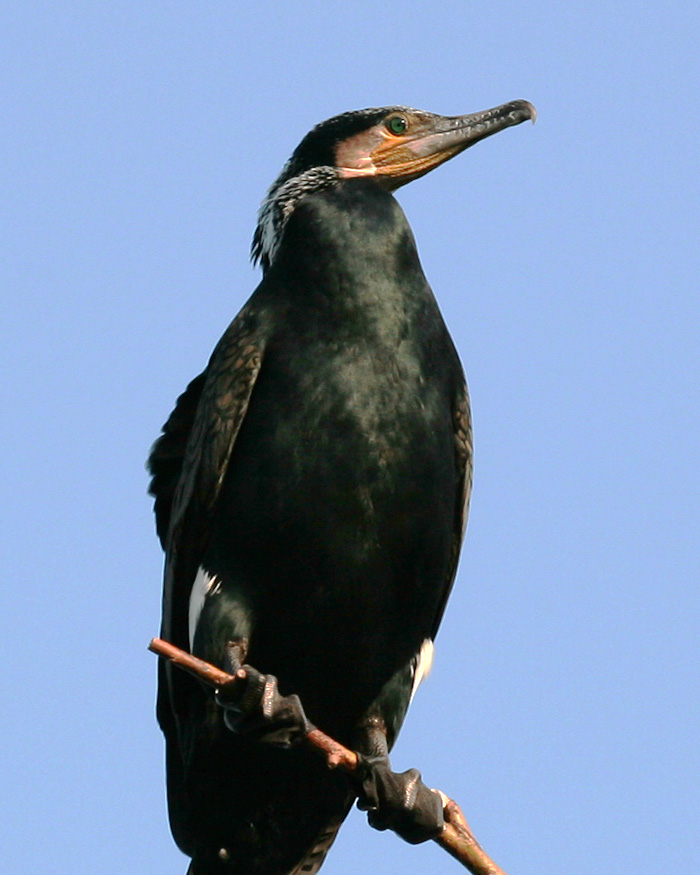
(348, 252)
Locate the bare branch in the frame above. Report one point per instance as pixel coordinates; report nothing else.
(456, 837)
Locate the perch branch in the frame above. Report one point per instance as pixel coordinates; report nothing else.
(456, 837)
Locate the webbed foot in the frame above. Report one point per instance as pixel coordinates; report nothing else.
(399, 801)
(253, 706)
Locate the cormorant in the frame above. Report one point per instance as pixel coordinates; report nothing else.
(311, 490)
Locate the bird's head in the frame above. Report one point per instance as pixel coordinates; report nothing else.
(391, 145)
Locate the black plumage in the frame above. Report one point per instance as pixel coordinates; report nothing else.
(311, 489)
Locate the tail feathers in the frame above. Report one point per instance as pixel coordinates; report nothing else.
(313, 861)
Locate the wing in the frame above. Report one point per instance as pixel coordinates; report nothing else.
(168, 452)
(464, 463)
(188, 463)
(189, 460)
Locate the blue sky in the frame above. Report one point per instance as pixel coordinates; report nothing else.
(138, 140)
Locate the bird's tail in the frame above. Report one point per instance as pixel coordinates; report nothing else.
(309, 865)
(313, 861)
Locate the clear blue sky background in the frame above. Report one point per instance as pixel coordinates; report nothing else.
(137, 141)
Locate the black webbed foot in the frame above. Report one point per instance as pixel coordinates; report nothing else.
(256, 708)
(399, 801)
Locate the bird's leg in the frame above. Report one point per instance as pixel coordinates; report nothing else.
(397, 801)
(236, 652)
(253, 705)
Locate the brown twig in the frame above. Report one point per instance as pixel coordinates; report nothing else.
(456, 837)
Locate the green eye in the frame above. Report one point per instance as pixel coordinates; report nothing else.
(397, 124)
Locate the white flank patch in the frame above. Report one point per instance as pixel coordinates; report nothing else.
(424, 662)
(203, 584)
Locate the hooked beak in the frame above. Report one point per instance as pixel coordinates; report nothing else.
(433, 139)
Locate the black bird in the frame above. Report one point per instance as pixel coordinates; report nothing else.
(311, 490)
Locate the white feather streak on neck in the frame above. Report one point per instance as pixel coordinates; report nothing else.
(280, 201)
